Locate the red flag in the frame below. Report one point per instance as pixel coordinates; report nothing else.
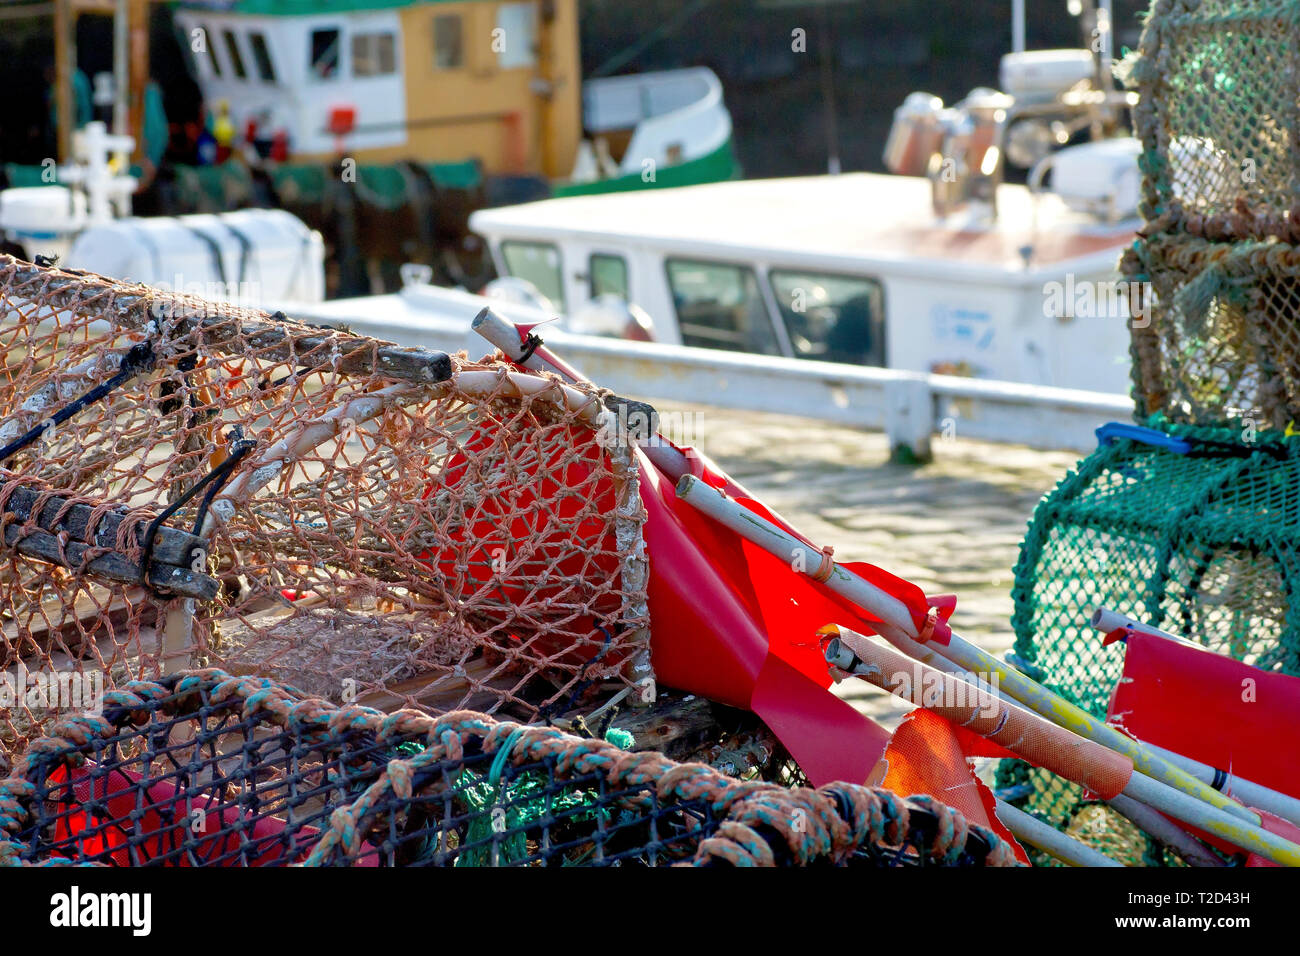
(1211, 708)
(928, 754)
(731, 622)
(1216, 710)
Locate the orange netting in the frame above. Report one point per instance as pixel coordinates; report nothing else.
(385, 525)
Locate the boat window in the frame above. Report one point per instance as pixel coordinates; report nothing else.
(262, 56)
(232, 51)
(374, 54)
(515, 36)
(325, 54)
(539, 263)
(608, 275)
(833, 318)
(204, 51)
(448, 43)
(719, 306)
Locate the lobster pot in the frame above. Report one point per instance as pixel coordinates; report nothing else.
(257, 775)
(1218, 119)
(372, 524)
(1219, 342)
(1205, 545)
(1218, 116)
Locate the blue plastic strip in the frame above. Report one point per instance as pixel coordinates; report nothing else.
(1112, 432)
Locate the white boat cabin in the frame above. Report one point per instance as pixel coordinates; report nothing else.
(852, 268)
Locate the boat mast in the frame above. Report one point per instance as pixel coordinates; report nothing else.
(130, 63)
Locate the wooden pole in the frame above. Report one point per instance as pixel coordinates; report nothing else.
(138, 72)
(176, 636)
(1031, 830)
(121, 71)
(65, 64)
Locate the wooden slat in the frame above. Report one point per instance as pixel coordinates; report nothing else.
(113, 566)
(440, 692)
(170, 545)
(674, 726)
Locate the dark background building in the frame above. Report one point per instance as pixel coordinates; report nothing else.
(878, 53)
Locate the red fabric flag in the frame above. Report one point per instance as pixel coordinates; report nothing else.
(731, 622)
(1211, 708)
(1214, 709)
(930, 755)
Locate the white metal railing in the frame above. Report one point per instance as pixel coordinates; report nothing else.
(909, 406)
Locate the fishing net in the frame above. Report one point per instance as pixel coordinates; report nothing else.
(188, 484)
(1203, 543)
(1223, 342)
(205, 769)
(1217, 120)
(1218, 124)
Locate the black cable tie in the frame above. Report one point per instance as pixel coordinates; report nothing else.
(213, 480)
(531, 344)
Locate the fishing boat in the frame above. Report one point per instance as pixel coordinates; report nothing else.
(382, 81)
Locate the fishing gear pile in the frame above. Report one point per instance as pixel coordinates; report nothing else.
(188, 484)
(201, 768)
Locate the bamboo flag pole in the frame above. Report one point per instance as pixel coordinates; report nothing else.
(1031, 830)
(1163, 830)
(1247, 791)
(1041, 742)
(897, 620)
(1144, 817)
(504, 334)
(1106, 620)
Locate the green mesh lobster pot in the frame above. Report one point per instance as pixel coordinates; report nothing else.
(1201, 539)
(1190, 528)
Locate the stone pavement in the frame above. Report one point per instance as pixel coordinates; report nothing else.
(953, 525)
